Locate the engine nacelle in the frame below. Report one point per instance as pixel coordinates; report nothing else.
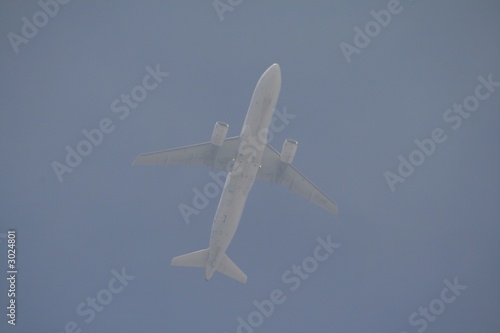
(288, 151)
(219, 133)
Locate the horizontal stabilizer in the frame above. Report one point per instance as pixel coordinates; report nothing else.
(229, 268)
(193, 259)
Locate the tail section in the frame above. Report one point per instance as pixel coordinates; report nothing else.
(200, 258)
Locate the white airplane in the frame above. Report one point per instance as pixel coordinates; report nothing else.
(245, 157)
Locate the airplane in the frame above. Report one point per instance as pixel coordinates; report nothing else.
(246, 157)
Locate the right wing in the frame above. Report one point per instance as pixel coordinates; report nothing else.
(216, 157)
(278, 172)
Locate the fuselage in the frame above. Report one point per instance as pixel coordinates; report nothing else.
(241, 177)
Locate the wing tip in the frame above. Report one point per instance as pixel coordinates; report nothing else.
(136, 160)
(336, 210)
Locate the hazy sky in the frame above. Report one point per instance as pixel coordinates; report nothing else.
(370, 87)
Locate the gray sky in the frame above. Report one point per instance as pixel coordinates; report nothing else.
(355, 114)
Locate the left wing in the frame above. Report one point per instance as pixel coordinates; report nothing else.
(276, 171)
(200, 154)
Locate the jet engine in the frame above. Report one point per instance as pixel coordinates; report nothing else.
(219, 133)
(288, 151)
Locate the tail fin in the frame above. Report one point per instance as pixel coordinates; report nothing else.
(229, 268)
(193, 259)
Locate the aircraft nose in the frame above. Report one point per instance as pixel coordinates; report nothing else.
(272, 76)
(274, 70)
